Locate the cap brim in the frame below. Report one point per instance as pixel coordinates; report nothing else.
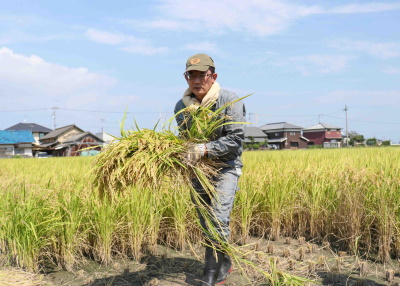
(198, 68)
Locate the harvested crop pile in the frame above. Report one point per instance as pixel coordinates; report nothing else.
(148, 159)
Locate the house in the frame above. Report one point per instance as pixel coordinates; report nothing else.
(18, 142)
(283, 135)
(327, 135)
(107, 138)
(68, 141)
(74, 145)
(254, 135)
(38, 131)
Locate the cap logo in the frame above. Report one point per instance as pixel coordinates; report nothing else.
(194, 61)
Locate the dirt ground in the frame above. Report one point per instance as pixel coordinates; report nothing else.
(318, 263)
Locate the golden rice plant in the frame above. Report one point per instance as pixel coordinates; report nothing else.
(148, 159)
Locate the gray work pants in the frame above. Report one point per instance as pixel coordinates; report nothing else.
(220, 205)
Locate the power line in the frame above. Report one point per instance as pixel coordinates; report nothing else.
(394, 123)
(24, 110)
(119, 112)
(54, 116)
(85, 110)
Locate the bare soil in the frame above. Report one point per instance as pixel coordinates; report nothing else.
(318, 263)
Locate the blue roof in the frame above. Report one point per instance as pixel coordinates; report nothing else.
(15, 137)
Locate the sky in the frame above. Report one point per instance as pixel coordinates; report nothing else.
(88, 62)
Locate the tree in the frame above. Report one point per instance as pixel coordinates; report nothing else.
(372, 142)
(386, 143)
(355, 137)
(266, 143)
(251, 139)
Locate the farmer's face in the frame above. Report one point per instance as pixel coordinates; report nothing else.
(200, 82)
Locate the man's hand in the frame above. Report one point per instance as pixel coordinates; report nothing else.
(195, 153)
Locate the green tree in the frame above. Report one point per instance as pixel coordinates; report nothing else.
(251, 140)
(266, 142)
(372, 142)
(386, 143)
(355, 137)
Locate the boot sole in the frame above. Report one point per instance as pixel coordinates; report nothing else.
(223, 281)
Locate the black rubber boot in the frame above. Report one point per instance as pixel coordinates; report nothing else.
(212, 266)
(226, 268)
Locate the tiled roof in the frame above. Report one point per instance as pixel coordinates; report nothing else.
(254, 132)
(33, 127)
(279, 126)
(79, 136)
(15, 137)
(59, 131)
(321, 126)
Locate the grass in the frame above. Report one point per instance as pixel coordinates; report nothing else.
(51, 213)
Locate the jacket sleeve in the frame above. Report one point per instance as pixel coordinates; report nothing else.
(232, 135)
(180, 119)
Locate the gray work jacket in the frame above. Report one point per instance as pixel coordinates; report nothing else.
(227, 143)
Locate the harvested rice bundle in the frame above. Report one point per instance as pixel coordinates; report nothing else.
(147, 158)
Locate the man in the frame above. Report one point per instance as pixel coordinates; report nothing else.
(226, 146)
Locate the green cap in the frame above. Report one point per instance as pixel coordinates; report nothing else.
(199, 62)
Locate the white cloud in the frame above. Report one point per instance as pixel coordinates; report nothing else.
(312, 64)
(391, 70)
(107, 38)
(260, 18)
(19, 36)
(30, 79)
(381, 50)
(363, 8)
(126, 43)
(202, 46)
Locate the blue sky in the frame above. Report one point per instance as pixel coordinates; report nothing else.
(303, 61)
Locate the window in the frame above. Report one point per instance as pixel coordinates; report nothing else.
(276, 134)
(294, 144)
(41, 134)
(6, 148)
(292, 133)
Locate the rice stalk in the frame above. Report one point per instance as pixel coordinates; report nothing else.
(148, 159)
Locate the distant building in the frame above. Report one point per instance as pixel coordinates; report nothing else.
(283, 135)
(77, 145)
(327, 135)
(69, 141)
(107, 138)
(18, 142)
(38, 131)
(254, 134)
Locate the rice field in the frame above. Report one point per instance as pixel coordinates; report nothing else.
(51, 212)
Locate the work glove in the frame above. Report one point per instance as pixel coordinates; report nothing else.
(195, 153)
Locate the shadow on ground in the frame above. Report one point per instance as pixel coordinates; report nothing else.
(171, 271)
(335, 279)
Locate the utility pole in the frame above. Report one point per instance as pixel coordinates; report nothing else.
(347, 129)
(253, 116)
(102, 125)
(54, 116)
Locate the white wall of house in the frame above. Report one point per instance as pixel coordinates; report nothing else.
(37, 136)
(23, 151)
(6, 150)
(9, 150)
